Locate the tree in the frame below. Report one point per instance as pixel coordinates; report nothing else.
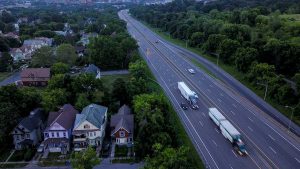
(52, 99)
(6, 62)
(120, 92)
(59, 68)
(227, 49)
(297, 80)
(82, 101)
(86, 159)
(197, 39)
(43, 57)
(138, 69)
(213, 42)
(86, 83)
(286, 95)
(3, 45)
(165, 158)
(244, 58)
(261, 72)
(65, 53)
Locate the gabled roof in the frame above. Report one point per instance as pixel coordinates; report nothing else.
(35, 73)
(64, 117)
(93, 113)
(123, 119)
(32, 121)
(92, 69)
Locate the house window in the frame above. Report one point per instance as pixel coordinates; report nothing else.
(22, 136)
(64, 134)
(91, 134)
(27, 135)
(86, 126)
(52, 134)
(46, 135)
(16, 131)
(57, 134)
(94, 133)
(17, 136)
(122, 133)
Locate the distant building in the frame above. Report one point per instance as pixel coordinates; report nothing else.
(58, 133)
(35, 76)
(93, 69)
(28, 132)
(85, 38)
(89, 128)
(122, 126)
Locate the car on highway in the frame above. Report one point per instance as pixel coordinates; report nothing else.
(195, 106)
(192, 71)
(195, 94)
(183, 106)
(157, 41)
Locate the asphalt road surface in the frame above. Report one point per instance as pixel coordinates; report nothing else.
(269, 145)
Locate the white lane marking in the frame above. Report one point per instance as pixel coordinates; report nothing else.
(282, 137)
(217, 130)
(297, 160)
(201, 123)
(250, 119)
(232, 112)
(272, 150)
(220, 100)
(210, 85)
(234, 105)
(230, 166)
(208, 90)
(271, 137)
(234, 153)
(250, 128)
(214, 142)
(203, 114)
(222, 94)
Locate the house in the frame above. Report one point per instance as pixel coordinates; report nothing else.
(38, 42)
(85, 38)
(122, 126)
(35, 76)
(23, 53)
(89, 128)
(93, 69)
(58, 133)
(28, 132)
(80, 50)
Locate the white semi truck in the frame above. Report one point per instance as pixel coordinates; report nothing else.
(228, 130)
(188, 94)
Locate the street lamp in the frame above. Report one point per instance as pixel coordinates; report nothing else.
(266, 91)
(218, 60)
(293, 109)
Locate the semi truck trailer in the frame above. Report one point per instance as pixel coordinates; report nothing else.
(228, 130)
(188, 94)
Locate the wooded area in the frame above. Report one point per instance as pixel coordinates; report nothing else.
(259, 38)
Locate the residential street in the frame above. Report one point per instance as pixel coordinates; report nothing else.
(11, 79)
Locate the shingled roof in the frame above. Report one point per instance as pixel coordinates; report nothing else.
(64, 117)
(32, 121)
(123, 119)
(30, 74)
(93, 113)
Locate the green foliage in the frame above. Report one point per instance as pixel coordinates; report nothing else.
(82, 101)
(227, 48)
(43, 57)
(165, 158)
(84, 160)
(65, 53)
(244, 58)
(59, 68)
(6, 62)
(120, 92)
(213, 42)
(52, 99)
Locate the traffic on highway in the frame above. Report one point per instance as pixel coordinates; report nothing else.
(227, 129)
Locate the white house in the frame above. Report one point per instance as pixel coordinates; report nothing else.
(89, 128)
(59, 129)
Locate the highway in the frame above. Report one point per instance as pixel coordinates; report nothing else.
(268, 144)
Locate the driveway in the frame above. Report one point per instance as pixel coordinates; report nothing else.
(11, 79)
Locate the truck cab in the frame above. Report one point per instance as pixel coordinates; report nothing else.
(239, 146)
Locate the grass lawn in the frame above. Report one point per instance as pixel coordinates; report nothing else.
(228, 68)
(17, 156)
(4, 75)
(54, 159)
(109, 80)
(4, 153)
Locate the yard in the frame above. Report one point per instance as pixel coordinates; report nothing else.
(109, 80)
(121, 151)
(54, 159)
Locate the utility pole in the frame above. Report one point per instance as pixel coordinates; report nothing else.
(218, 60)
(266, 88)
(293, 109)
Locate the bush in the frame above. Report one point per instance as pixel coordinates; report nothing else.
(28, 155)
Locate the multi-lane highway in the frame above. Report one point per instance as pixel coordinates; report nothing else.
(268, 145)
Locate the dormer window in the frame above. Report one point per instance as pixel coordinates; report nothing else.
(86, 126)
(122, 133)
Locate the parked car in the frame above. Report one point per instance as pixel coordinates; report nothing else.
(192, 71)
(183, 106)
(195, 107)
